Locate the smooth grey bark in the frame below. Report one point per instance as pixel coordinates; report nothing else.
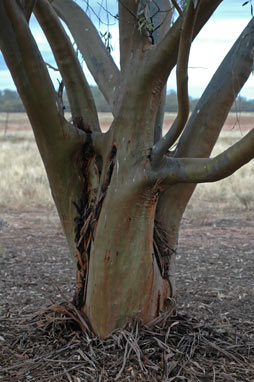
(83, 109)
(213, 107)
(97, 57)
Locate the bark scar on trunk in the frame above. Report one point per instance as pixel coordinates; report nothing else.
(162, 252)
(89, 210)
(83, 232)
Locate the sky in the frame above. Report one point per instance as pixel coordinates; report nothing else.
(207, 52)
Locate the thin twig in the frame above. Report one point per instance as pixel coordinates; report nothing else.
(174, 2)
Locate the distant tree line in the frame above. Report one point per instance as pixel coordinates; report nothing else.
(10, 102)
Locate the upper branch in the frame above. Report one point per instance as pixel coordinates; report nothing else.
(162, 58)
(162, 18)
(174, 2)
(206, 121)
(128, 29)
(182, 71)
(97, 57)
(28, 8)
(58, 142)
(82, 104)
(29, 74)
(197, 170)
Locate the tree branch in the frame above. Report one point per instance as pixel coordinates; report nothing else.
(182, 70)
(97, 57)
(34, 85)
(205, 124)
(158, 126)
(162, 22)
(82, 104)
(28, 8)
(162, 58)
(206, 121)
(29, 72)
(197, 170)
(128, 30)
(161, 16)
(174, 2)
(182, 80)
(55, 138)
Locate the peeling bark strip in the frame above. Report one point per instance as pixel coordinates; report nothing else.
(162, 252)
(88, 215)
(83, 228)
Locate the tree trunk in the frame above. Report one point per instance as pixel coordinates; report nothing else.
(123, 279)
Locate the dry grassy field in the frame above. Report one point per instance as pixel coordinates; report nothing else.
(24, 183)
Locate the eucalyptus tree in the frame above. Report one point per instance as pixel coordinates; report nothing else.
(121, 194)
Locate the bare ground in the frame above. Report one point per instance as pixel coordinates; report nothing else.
(215, 267)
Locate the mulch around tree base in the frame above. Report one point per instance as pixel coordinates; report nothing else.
(50, 347)
(210, 339)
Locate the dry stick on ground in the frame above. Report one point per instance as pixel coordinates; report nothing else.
(78, 317)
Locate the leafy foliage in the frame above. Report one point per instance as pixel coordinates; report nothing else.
(144, 17)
